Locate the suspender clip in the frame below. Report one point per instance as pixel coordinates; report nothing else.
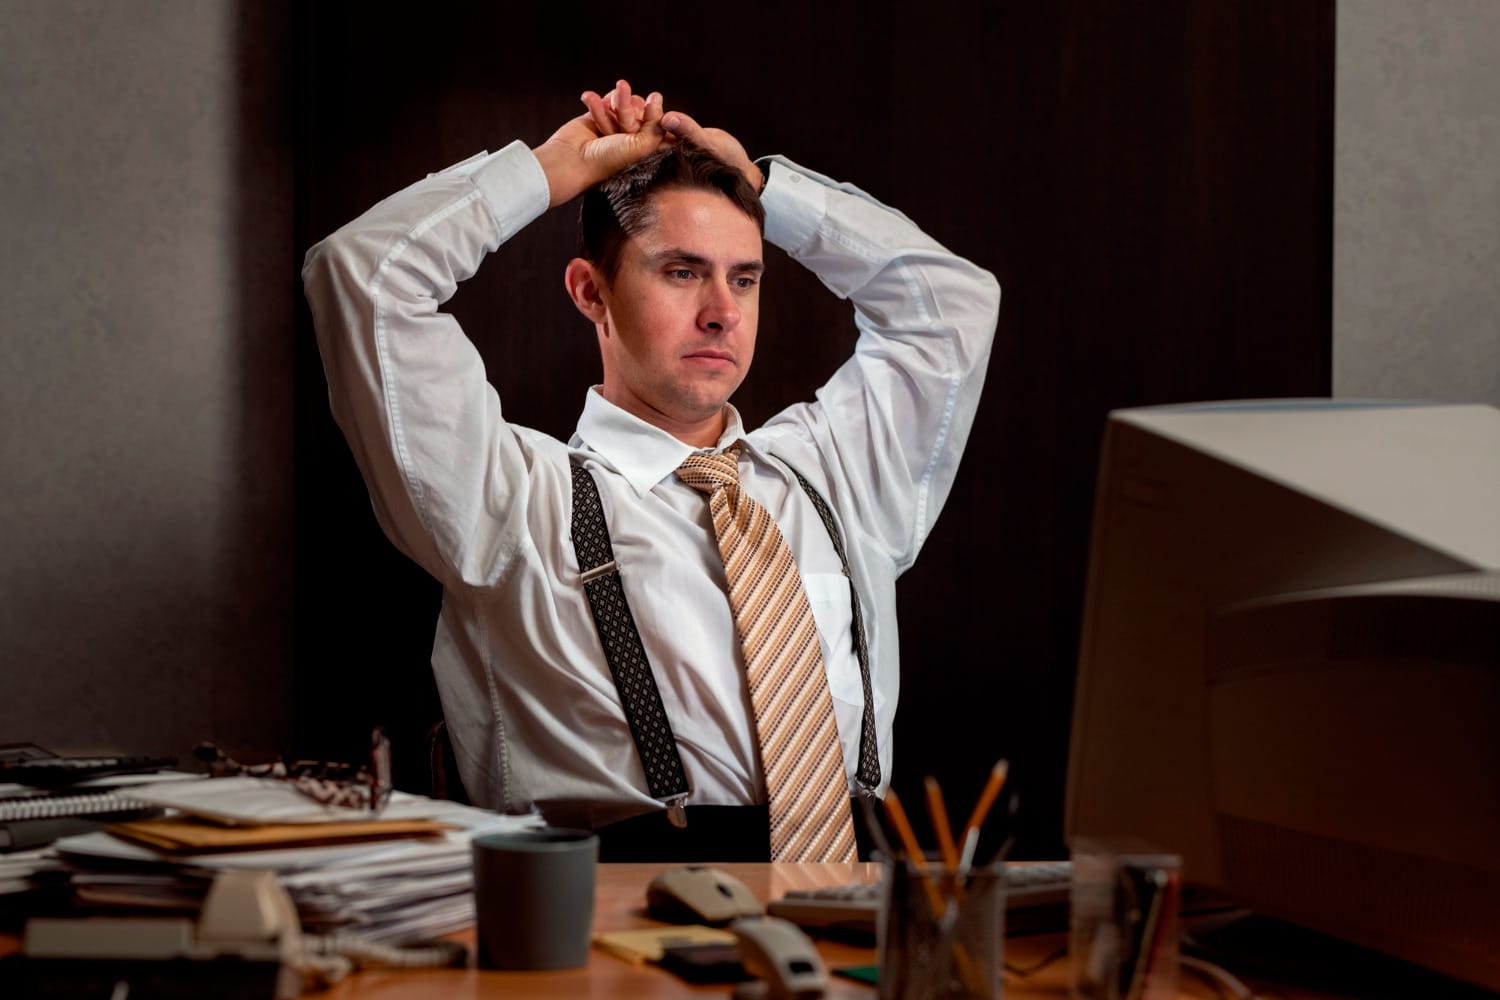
(677, 811)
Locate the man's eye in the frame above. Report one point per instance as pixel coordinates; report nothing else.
(744, 281)
(681, 273)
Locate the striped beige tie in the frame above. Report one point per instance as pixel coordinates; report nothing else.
(799, 741)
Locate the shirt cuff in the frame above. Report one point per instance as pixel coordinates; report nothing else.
(794, 202)
(512, 183)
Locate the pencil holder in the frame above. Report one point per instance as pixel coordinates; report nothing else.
(941, 933)
(1123, 939)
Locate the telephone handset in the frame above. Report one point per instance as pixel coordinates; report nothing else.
(247, 915)
(783, 959)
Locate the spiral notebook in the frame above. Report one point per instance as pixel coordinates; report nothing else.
(97, 802)
(31, 820)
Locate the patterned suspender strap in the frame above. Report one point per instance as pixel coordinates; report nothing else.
(621, 640)
(868, 775)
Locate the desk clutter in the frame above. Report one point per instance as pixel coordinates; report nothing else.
(253, 884)
(147, 845)
(404, 876)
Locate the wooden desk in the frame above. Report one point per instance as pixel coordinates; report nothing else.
(620, 905)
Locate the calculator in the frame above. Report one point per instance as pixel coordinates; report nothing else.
(29, 764)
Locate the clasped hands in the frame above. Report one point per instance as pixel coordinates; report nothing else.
(619, 128)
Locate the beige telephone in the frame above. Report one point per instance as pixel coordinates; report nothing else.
(246, 915)
(783, 959)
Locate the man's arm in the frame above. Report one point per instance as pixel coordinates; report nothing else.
(406, 385)
(889, 427)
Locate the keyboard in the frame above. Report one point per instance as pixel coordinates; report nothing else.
(1036, 901)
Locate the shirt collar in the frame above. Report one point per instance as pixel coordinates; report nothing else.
(644, 454)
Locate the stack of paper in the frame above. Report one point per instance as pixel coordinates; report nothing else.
(32, 819)
(402, 874)
(19, 870)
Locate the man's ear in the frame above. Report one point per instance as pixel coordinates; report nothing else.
(585, 287)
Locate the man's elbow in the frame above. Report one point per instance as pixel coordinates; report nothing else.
(984, 297)
(989, 286)
(332, 267)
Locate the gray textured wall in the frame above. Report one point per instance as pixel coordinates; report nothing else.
(1417, 200)
(145, 520)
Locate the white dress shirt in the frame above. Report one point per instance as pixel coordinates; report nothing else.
(485, 504)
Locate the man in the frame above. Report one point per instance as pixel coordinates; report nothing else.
(609, 685)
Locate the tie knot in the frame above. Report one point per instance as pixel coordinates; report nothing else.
(710, 473)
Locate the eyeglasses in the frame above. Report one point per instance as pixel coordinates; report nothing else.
(352, 786)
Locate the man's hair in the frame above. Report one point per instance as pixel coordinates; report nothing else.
(620, 207)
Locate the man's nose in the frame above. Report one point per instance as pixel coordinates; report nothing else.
(719, 311)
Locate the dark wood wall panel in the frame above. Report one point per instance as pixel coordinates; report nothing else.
(1152, 183)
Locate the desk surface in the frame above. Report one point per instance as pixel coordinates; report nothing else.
(620, 905)
(620, 899)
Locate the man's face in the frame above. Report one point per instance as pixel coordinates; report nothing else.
(680, 313)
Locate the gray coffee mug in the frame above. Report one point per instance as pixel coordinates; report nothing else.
(534, 897)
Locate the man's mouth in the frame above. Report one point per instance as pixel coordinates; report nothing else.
(711, 356)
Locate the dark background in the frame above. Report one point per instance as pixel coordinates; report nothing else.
(1151, 183)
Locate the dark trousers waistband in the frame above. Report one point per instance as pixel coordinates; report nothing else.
(714, 834)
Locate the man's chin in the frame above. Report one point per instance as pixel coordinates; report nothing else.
(698, 411)
(706, 398)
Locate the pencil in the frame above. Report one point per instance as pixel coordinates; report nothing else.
(939, 815)
(982, 806)
(904, 831)
(913, 847)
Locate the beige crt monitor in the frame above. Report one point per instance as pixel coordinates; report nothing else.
(1290, 664)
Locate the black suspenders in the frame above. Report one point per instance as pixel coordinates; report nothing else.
(621, 640)
(628, 664)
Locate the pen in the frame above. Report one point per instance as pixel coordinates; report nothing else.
(1158, 917)
(982, 806)
(1139, 905)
